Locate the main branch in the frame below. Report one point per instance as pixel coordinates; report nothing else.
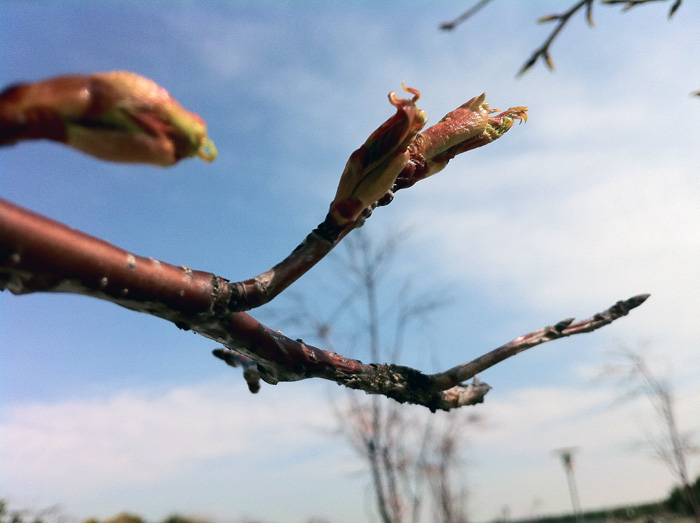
(38, 254)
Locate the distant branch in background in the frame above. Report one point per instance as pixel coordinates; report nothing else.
(543, 52)
(561, 19)
(41, 255)
(636, 377)
(448, 26)
(629, 4)
(414, 459)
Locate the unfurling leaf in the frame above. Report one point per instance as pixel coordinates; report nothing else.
(117, 116)
(397, 155)
(372, 169)
(471, 125)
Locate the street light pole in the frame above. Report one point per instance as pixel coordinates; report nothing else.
(567, 457)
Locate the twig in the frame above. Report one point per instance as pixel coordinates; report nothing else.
(41, 255)
(263, 288)
(629, 4)
(561, 330)
(563, 18)
(468, 127)
(448, 26)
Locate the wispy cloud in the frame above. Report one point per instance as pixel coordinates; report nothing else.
(82, 448)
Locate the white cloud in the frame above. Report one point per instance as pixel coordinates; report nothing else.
(79, 449)
(515, 457)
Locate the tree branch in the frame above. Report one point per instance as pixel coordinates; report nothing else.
(563, 18)
(562, 329)
(364, 184)
(629, 4)
(449, 26)
(38, 254)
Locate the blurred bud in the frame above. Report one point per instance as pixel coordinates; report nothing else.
(469, 126)
(372, 169)
(589, 15)
(117, 116)
(548, 60)
(548, 18)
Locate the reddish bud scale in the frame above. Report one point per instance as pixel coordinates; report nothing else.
(372, 169)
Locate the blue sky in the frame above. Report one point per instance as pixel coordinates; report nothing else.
(595, 199)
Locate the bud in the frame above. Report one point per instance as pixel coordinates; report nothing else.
(471, 125)
(372, 169)
(117, 116)
(548, 18)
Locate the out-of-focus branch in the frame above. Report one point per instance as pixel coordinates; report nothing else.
(562, 19)
(449, 26)
(41, 255)
(117, 116)
(629, 4)
(674, 448)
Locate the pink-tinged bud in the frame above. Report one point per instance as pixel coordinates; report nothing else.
(372, 169)
(469, 126)
(117, 116)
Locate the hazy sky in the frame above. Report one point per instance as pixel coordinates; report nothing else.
(595, 199)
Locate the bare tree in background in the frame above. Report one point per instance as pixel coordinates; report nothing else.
(636, 377)
(414, 459)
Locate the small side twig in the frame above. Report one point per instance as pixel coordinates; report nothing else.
(629, 4)
(562, 329)
(251, 374)
(449, 26)
(543, 51)
(562, 19)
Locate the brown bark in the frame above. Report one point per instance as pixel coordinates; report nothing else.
(38, 254)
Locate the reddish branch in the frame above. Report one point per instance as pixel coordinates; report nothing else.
(38, 254)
